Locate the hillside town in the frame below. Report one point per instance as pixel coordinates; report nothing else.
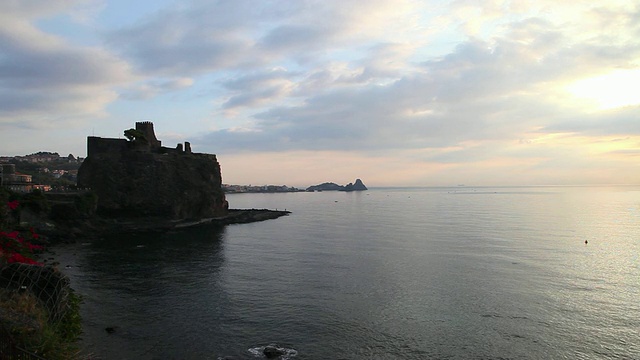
(44, 171)
(230, 189)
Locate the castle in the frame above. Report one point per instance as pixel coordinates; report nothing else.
(139, 177)
(149, 143)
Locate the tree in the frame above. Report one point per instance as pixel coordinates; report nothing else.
(135, 135)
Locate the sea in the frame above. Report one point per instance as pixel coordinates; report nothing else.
(390, 273)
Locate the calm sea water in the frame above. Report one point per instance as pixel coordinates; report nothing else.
(421, 273)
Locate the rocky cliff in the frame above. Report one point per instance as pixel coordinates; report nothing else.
(160, 182)
(134, 184)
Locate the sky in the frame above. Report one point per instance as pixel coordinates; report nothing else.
(300, 92)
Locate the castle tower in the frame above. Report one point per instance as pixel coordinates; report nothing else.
(146, 127)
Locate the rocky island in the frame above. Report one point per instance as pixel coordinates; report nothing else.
(329, 186)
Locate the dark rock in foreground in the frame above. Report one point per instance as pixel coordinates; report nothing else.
(273, 351)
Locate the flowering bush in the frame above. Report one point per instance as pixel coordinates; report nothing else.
(13, 204)
(17, 246)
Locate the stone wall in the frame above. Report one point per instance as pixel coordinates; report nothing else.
(97, 145)
(142, 178)
(138, 184)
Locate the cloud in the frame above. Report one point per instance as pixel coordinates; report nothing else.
(241, 34)
(151, 88)
(185, 41)
(38, 8)
(287, 37)
(449, 84)
(622, 121)
(43, 78)
(257, 88)
(443, 104)
(495, 89)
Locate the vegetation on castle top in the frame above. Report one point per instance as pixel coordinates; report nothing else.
(135, 135)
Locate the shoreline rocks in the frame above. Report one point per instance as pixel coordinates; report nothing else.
(151, 224)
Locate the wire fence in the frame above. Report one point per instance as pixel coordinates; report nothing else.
(10, 350)
(31, 298)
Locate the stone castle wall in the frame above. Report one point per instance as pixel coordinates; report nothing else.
(97, 145)
(141, 179)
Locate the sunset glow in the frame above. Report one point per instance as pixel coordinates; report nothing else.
(616, 89)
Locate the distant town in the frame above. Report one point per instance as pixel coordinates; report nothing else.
(230, 189)
(44, 171)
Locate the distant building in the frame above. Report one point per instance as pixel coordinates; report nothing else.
(40, 157)
(13, 180)
(42, 187)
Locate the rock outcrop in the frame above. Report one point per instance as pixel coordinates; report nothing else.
(357, 186)
(329, 186)
(141, 178)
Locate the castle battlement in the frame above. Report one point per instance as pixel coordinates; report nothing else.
(146, 127)
(102, 146)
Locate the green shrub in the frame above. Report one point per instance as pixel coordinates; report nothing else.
(33, 330)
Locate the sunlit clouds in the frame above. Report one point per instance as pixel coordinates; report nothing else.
(616, 89)
(301, 92)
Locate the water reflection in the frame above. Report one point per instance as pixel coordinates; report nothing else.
(138, 284)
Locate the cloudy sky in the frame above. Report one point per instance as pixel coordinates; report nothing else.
(298, 92)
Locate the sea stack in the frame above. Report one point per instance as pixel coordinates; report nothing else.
(357, 186)
(138, 177)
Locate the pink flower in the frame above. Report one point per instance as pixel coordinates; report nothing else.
(12, 235)
(34, 247)
(13, 204)
(19, 258)
(16, 257)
